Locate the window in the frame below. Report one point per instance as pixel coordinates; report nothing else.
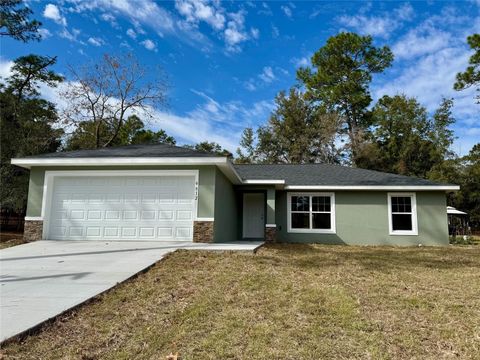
(311, 212)
(402, 214)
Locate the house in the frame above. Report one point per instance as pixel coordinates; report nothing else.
(163, 192)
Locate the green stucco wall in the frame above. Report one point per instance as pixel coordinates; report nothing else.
(271, 194)
(362, 219)
(206, 187)
(226, 212)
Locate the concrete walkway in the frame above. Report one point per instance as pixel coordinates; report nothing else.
(42, 279)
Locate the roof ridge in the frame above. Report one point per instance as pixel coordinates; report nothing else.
(130, 150)
(359, 171)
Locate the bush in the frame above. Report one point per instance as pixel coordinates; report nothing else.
(462, 240)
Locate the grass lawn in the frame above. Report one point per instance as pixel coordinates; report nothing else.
(8, 239)
(285, 302)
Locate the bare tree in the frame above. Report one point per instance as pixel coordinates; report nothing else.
(106, 93)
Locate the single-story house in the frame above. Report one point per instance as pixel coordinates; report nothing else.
(164, 193)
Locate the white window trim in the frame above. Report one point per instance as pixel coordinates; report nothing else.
(332, 230)
(50, 176)
(414, 230)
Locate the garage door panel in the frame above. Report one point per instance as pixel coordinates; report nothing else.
(147, 215)
(129, 232)
(130, 215)
(94, 214)
(183, 232)
(94, 231)
(75, 231)
(112, 215)
(122, 208)
(184, 215)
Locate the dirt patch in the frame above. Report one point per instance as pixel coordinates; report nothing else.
(8, 239)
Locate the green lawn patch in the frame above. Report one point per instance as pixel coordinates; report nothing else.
(285, 302)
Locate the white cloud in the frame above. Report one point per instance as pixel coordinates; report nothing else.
(44, 33)
(250, 85)
(275, 32)
(405, 12)
(286, 10)
(231, 25)
(267, 75)
(196, 11)
(95, 41)
(145, 12)
(125, 45)
(52, 12)
(183, 23)
(110, 19)
(220, 122)
(382, 25)
(5, 68)
(235, 32)
(430, 77)
(213, 121)
(375, 26)
(301, 62)
(265, 10)
(420, 41)
(149, 44)
(71, 36)
(233, 36)
(131, 33)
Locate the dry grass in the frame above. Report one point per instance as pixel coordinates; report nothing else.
(8, 239)
(285, 302)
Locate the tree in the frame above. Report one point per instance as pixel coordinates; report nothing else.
(297, 132)
(406, 140)
(464, 171)
(15, 22)
(471, 76)
(339, 81)
(29, 71)
(133, 132)
(27, 124)
(210, 147)
(106, 93)
(441, 134)
(247, 143)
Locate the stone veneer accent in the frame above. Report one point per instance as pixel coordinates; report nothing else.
(32, 230)
(271, 234)
(203, 231)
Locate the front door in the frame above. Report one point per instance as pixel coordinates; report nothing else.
(253, 215)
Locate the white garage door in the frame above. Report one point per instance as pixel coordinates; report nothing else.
(122, 208)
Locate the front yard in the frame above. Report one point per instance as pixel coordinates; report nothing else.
(8, 239)
(285, 302)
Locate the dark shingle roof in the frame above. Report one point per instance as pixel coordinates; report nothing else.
(150, 150)
(326, 174)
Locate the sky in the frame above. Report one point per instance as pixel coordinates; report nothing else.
(226, 61)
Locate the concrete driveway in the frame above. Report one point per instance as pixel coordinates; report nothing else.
(42, 279)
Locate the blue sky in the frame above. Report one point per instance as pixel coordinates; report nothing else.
(226, 61)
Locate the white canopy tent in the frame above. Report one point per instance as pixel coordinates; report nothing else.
(452, 211)
(457, 221)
